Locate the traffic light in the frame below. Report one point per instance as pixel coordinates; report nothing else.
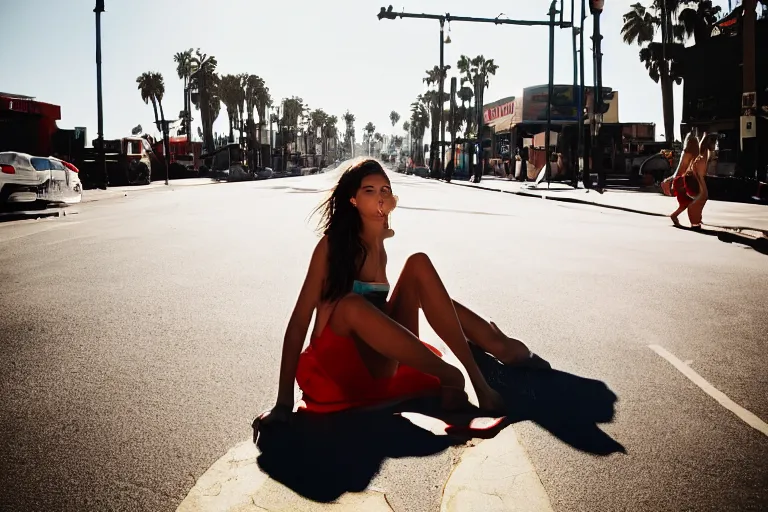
(388, 14)
(596, 6)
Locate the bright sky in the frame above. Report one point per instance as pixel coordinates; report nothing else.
(335, 54)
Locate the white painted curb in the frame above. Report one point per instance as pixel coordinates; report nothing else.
(235, 483)
(228, 483)
(495, 476)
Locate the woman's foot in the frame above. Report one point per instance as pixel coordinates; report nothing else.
(489, 400)
(675, 221)
(512, 351)
(453, 398)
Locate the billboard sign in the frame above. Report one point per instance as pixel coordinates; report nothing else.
(498, 109)
(564, 103)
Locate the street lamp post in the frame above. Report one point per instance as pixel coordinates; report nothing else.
(102, 163)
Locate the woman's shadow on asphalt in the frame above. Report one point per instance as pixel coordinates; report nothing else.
(322, 457)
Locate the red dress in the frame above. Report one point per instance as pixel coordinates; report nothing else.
(333, 377)
(685, 188)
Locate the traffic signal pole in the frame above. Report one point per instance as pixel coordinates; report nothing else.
(389, 14)
(596, 6)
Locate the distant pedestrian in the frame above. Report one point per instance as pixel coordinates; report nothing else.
(449, 169)
(523, 164)
(688, 183)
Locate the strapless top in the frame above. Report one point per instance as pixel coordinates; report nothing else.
(375, 293)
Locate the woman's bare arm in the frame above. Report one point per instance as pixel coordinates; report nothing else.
(702, 195)
(296, 332)
(683, 165)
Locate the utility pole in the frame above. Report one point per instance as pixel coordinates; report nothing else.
(583, 160)
(440, 92)
(749, 140)
(596, 6)
(550, 91)
(452, 117)
(101, 161)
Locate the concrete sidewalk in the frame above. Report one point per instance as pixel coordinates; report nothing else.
(112, 192)
(718, 214)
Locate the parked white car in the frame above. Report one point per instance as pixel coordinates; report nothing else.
(26, 179)
(64, 185)
(19, 181)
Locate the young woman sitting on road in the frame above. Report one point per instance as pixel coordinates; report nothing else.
(364, 349)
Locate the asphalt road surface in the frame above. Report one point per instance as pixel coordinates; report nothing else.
(140, 336)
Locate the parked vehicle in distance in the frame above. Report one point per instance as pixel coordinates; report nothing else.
(421, 171)
(19, 181)
(27, 179)
(64, 185)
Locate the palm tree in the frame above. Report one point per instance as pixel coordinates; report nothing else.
(184, 70)
(465, 95)
(394, 117)
(407, 130)
(369, 129)
(257, 97)
(419, 125)
(699, 21)
(206, 82)
(293, 108)
(330, 132)
(349, 134)
(454, 124)
(229, 92)
(318, 118)
(147, 87)
(477, 72)
(435, 77)
(152, 87)
(675, 23)
(431, 100)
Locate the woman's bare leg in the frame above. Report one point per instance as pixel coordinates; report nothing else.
(357, 318)
(695, 212)
(404, 309)
(420, 286)
(676, 214)
(490, 338)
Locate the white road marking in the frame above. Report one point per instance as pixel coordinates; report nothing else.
(235, 483)
(746, 416)
(495, 475)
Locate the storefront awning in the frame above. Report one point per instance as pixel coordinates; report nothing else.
(502, 124)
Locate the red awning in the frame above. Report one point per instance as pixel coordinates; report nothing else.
(25, 105)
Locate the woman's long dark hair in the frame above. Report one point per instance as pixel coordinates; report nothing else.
(341, 223)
